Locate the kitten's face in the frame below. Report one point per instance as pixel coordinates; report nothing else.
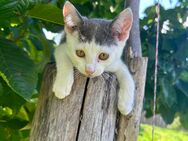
(94, 44)
(90, 58)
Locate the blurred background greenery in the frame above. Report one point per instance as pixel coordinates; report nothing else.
(25, 50)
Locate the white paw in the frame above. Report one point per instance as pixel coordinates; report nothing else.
(62, 88)
(125, 101)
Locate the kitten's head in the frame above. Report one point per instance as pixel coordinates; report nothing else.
(95, 44)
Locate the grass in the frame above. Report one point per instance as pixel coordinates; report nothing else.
(161, 134)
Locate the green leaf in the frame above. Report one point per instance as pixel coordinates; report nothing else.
(47, 12)
(182, 51)
(183, 120)
(4, 134)
(184, 75)
(14, 123)
(7, 6)
(168, 92)
(10, 9)
(182, 86)
(17, 69)
(167, 113)
(1, 89)
(24, 5)
(16, 101)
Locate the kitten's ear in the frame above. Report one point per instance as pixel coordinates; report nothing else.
(72, 17)
(122, 24)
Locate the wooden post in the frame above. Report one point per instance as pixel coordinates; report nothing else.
(128, 129)
(128, 126)
(87, 114)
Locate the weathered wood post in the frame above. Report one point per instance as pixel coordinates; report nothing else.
(129, 126)
(89, 113)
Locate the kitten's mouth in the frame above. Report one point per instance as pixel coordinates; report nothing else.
(89, 75)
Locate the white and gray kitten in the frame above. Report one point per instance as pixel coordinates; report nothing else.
(94, 46)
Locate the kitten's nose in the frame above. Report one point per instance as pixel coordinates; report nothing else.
(89, 69)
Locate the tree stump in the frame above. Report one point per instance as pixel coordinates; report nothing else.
(89, 113)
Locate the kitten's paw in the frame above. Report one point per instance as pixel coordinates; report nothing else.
(62, 89)
(125, 109)
(125, 101)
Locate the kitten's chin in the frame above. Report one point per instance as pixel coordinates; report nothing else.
(95, 74)
(91, 75)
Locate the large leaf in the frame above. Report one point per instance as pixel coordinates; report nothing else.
(7, 7)
(183, 120)
(17, 69)
(167, 113)
(6, 94)
(47, 12)
(168, 92)
(15, 123)
(182, 86)
(182, 51)
(24, 5)
(11, 7)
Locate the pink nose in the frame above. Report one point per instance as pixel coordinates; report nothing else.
(89, 69)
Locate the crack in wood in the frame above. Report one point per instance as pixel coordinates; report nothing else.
(82, 108)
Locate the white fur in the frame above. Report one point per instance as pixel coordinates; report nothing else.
(64, 76)
(66, 58)
(127, 87)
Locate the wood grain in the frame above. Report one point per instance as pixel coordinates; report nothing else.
(89, 113)
(128, 127)
(55, 119)
(100, 108)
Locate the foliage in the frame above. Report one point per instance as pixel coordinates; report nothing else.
(172, 92)
(161, 134)
(21, 77)
(24, 51)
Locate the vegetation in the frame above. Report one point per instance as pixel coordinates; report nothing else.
(24, 51)
(172, 85)
(161, 134)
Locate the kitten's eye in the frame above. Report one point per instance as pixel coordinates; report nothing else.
(103, 56)
(80, 53)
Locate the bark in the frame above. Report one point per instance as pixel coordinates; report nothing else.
(87, 114)
(128, 126)
(134, 39)
(128, 129)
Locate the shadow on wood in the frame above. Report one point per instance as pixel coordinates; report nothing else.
(89, 113)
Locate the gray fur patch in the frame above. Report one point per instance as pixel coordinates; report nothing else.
(97, 29)
(63, 39)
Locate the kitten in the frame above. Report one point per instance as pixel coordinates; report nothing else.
(94, 46)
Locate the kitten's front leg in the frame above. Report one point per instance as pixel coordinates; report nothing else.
(127, 87)
(64, 76)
